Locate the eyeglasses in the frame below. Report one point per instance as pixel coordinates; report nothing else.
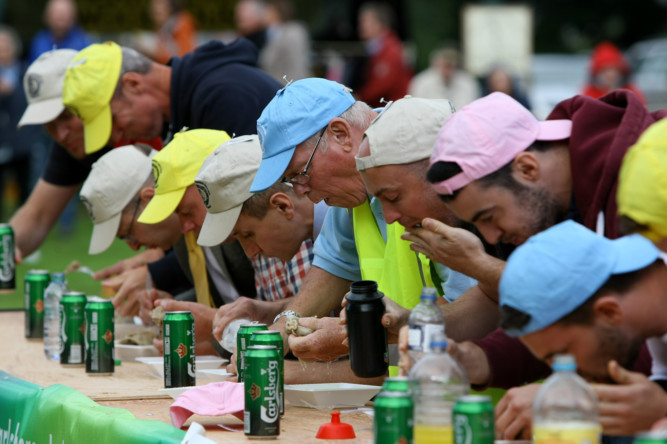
(303, 177)
(134, 217)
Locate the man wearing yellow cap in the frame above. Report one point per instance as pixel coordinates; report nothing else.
(117, 91)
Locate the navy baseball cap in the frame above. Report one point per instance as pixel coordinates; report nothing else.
(297, 112)
(559, 269)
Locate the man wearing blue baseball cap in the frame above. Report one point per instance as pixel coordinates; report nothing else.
(569, 290)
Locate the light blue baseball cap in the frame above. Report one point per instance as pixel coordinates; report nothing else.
(559, 269)
(297, 112)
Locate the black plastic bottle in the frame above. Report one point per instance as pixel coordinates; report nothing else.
(367, 337)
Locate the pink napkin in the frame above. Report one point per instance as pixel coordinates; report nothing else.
(215, 399)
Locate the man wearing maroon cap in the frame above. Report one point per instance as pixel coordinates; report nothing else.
(512, 176)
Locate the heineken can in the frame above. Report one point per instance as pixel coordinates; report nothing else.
(473, 420)
(394, 416)
(72, 327)
(273, 337)
(398, 384)
(178, 338)
(243, 342)
(7, 265)
(36, 282)
(261, 417)
(99, 336)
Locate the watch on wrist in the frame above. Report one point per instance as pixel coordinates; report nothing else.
(286, 313)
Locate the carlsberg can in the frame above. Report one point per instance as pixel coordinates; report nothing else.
(72, 327)
(273, 337)
(7, 265)
(179, 349)
(243, 342)
(473, 420)
(99, 336)
(261, 417)
(36, 282)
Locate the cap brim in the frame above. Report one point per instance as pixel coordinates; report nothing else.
(634, 252)
(97, 132)
(42, 112)
(271, 170)
(554, 130)
(218, 226)
(103, 234)
(161, 206)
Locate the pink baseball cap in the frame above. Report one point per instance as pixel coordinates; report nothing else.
(486, 135)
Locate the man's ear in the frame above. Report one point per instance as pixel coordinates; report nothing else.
(526, 166)
(607, 309)
(340, 132)
(147, 194)
(283, 204)
(133, 83)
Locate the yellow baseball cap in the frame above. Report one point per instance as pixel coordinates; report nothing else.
(90, 82)
(642, 183)
(175, 168)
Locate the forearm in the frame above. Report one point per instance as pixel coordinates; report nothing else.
(320, 294)
(473, 315)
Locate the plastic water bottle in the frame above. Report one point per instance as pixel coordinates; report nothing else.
(565, 409)
(52, 296)
(229, 333)
(440, 381)
(426, 321)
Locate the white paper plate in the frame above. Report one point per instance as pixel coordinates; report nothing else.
(174, 392)
(331, 395)
(127, 352)
(156, 363)
(215, 374)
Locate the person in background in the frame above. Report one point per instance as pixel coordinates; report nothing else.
(250, 21)
(286, 55)
(61, 31)
(175, 30)
(609, 70)
(386, 74)
(500, 79)
(443, 79)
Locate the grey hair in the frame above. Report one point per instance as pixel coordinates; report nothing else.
(132, 61)
(359, 115)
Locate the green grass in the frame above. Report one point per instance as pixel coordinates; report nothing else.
(58, 251)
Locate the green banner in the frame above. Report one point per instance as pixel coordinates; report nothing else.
(60, 415)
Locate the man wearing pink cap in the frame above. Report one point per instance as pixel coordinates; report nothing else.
(513, 176)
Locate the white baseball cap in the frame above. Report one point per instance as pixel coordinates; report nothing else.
(224, 184)
(113, 181)
(43, 86)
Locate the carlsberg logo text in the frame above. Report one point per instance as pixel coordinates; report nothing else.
(271, 408)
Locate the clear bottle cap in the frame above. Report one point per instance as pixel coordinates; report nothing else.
(429, 293)
(564, 362)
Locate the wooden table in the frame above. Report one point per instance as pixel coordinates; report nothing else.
(132, 388)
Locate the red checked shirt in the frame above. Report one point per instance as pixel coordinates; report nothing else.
(276, 279)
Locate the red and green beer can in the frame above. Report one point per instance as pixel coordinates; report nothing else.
(261, 417)
(72, 327)
(393, 416)
(242, 343)
(473, 420)
(178, 338)
(99, 336)
(36, 282)
(273, 337)
(7, 265)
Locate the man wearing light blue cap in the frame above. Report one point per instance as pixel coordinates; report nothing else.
(310, 134)
(569, 290)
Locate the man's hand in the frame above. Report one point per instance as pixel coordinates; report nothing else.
(128, 287)
(514, 413)
(393, 319)
(243, 307)
(325, 343)
(147, 300)
(633, 405)
(203, 316)
(137, 260)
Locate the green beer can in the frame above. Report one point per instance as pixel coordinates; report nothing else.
(653, 437)
(272, 337)
(473, 420)
(178, 339)
(398, 384)
(7, 265)
(36, 282)
(261, 417)
(393, 418)
(243, 342)
(99, 336)
(72, 327)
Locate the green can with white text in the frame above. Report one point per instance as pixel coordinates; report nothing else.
(99, 315)
(473, 420)
(261, 417)
(273, 337)
(243, 342)
(178, 336)
(72, 327)
(7, 264)
(36, 282)
(393, 417)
